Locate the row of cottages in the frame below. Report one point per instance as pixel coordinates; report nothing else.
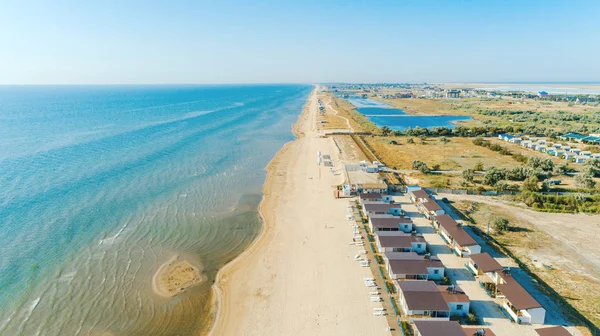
(514, 299)
(425, 203)
(568, 153)
(448, 328)
(411, 266)
(424, 300)
(460, 241)
(510, 138)
(398, 241)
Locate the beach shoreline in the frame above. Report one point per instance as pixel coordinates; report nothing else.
(219, 292)
(300, 276)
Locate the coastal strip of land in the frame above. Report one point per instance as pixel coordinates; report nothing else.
(299, 277)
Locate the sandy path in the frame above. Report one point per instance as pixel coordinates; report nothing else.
(299, 278)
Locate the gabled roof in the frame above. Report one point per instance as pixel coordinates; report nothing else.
(398, 241)
(370, 196)
(460, 236)
(389, 222)
(419, 193)
(438, 328)
(412, 266)
(455, 295)
(516, 294)
(431, 205)
(553, 331)
(422, 295)
(485, 262)
(380, 207)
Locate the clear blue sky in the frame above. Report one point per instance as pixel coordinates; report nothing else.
(188, 41)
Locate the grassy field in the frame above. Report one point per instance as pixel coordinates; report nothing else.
(534, 248)
(456, 155)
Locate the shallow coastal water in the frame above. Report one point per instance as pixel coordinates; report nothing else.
(102, 184)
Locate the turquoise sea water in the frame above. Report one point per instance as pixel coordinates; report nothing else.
(382, 114)
(102, 184)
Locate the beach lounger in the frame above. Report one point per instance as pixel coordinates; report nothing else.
(379, 309)
(360, 244)
(379, 313)
(376, 299)
(362, 252)
(374, 293)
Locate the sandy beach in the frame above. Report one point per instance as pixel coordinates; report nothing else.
(175, 277)
(299, 277)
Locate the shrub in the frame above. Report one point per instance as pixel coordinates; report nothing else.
(468, 175)
(530, 184)
(478, 166)
(421, 166)
(471, 319)
(493, 176)
(410, 141)
(500, 224)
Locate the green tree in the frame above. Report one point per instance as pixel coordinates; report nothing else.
(585, 181)
(531, 184)
(444, 140)
(500, 224)
(394, 142)
(421, 166)
(478, 166)
(493, 176)
(468, 174)
(385, 130)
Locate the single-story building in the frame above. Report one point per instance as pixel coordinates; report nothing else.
(375, 197)
(580, 159)
(421, 300)
(517, 302)
(382, 208)
(515, 140)
(411, 268)
(483, 264)
(390, 223)
(380, 188)
(553, 331)
(418, 195)
(438, 328)
(430, 208)
(459, 240)
(390, 241)
(458, 302)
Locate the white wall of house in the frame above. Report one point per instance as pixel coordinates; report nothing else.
(435, 273)
(419, 247)
(474, 249)
(396, 211)
(536, 315)
(387, 198)
(459, 308)
(407, 227)
(510, 312)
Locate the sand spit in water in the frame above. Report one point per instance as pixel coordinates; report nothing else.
(175, 277)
